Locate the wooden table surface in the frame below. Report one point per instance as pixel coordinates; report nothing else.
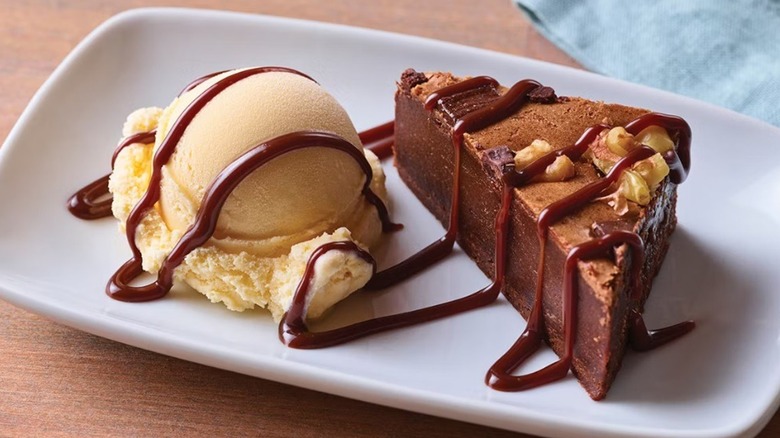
(58, 381)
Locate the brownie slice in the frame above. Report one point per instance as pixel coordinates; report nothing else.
(424, 158)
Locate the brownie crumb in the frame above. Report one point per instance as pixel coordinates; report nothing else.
(411, 78)
(498, 160)
(543, 95)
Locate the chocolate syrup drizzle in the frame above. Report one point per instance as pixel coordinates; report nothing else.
(293, 329)
(379, 139)
(296, 334)
(93, 201)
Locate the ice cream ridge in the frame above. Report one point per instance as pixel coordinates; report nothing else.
(254, 188)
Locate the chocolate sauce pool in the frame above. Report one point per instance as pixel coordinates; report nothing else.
(93, 201)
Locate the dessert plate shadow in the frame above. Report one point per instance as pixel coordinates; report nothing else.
(721, 380)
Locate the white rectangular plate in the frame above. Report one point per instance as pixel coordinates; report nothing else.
(722, 271)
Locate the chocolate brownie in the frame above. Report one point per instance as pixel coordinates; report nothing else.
(425, 161)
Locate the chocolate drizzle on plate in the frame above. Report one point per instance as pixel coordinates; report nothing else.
(93, 201)
(379, 139)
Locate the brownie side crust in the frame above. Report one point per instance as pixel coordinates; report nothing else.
(424, 158)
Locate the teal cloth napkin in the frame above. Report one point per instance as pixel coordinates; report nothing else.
(725, 52)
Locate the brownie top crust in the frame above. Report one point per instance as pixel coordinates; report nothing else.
(560, 121)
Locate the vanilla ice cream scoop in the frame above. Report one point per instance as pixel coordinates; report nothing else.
(293, 198)
(277, 215)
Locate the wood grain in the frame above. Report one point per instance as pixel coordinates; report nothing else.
(57, 381)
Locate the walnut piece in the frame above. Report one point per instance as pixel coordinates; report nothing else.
(560, 170)
(619, 141)
(657, 138)
(653, 170)
(531, 153)
(634, 187)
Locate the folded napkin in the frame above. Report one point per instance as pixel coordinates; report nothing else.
(724, 52)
